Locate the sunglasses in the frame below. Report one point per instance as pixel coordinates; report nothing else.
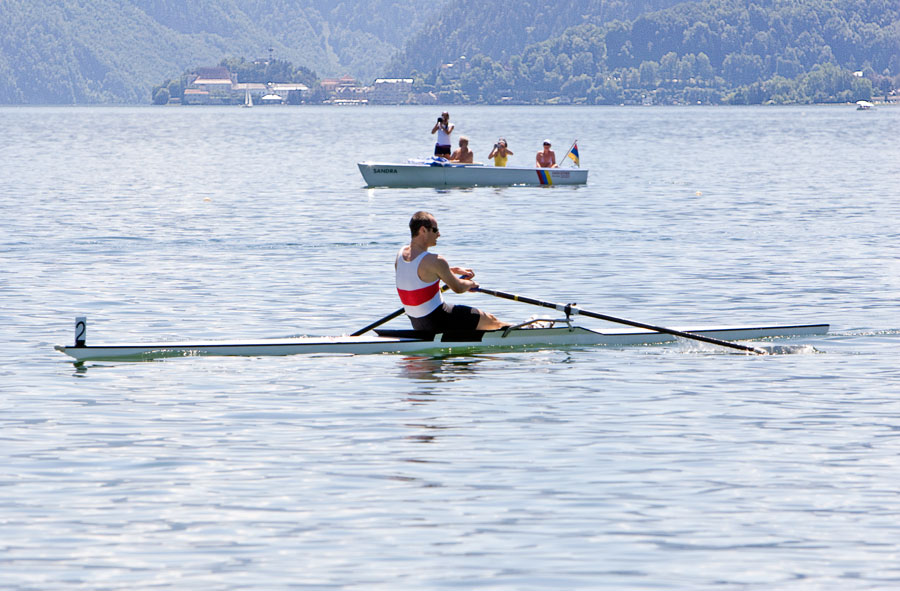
(433, 229)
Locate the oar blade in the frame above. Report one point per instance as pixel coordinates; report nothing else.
(773, 349)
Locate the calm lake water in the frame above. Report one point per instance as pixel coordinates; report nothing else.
(670, 467)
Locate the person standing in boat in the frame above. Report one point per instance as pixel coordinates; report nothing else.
(545, 158)
(500, 153)
(418, 277)
(443, 128)
(463, 154)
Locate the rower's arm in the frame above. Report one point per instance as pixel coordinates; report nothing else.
(449, 275)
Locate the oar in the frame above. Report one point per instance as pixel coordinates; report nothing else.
(377, 323)
(387, 318)
(570, 309)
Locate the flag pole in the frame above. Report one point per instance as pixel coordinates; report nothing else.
(566, 155)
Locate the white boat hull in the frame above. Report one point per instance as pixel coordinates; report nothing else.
(379, 174)
(392, 341)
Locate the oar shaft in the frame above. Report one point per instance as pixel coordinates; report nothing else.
(525, 300)
(569, 309)
(377, 323)
(387, 318)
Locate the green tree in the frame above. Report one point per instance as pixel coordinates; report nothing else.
(668, 66)
(649, 74)
(161, 96)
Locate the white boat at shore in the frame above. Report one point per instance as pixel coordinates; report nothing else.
(554, 334)
(441, 173)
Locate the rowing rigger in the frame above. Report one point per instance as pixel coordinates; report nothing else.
(534, 334)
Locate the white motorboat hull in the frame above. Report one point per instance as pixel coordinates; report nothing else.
(378, 174)
(407, 341)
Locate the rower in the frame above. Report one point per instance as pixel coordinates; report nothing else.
(418, 275)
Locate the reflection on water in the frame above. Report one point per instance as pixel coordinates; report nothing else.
(437, 368)
(428, 435)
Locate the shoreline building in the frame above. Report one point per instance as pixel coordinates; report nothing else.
(391, 91)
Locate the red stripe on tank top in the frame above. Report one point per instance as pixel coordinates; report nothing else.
(415, 297)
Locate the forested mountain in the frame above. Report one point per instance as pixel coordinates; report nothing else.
(500, 30)
(591, 51)
(63, 51)
(741, 51)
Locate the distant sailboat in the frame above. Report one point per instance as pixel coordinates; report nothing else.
(248, 100)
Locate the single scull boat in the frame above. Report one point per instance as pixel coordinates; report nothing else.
(534, 334)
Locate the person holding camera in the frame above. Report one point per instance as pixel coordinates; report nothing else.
(443, 128)
(500, 153)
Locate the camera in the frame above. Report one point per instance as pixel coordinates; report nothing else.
(440, 119)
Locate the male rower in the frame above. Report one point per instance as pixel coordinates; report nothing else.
(419, 274)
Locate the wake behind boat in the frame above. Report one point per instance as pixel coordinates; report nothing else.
(437, 172)
(550, 334)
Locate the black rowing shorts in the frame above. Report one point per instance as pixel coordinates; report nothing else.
(448, 318)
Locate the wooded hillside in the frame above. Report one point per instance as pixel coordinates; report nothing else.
(65, 52)
(592, 51)
(736, 51)
(501, 30)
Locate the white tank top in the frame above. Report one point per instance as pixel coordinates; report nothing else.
(443, 138)
(419, 298)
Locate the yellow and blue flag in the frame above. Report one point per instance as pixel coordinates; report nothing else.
(573, 154)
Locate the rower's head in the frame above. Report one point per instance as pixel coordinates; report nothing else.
(420, 220)
(463, 141)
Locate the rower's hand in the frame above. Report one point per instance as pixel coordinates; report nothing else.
(466, 275)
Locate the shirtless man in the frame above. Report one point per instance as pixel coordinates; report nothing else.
(545, 158)
(463, 154)
(419, 274)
